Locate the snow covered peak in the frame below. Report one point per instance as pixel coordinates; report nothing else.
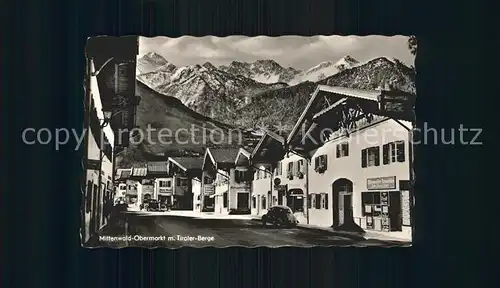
(346, 62)
(149, 62)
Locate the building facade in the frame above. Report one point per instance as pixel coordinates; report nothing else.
(164, 190)
(226, 181)
(359, 173)
(183, 170)
(196, 188)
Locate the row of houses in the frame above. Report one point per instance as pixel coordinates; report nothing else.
(348, 160)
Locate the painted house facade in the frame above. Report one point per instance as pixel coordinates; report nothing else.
(359, 159)
(183, 170)
(164, 190)
(280, 178)
(226, 181)
(162, 185)
(196, 188)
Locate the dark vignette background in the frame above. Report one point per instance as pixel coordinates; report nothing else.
(42, 87)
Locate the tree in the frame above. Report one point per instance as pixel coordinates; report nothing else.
(412, 45)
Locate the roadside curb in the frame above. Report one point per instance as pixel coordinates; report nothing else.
(351, 235)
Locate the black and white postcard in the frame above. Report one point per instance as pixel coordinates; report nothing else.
(248, 141)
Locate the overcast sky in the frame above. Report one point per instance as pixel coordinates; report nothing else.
(295, 51)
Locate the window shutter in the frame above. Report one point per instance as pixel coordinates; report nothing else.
(346, 153)
(377, 155)
(385, 154)
(363, 158)
(309, 201)
(326, 201)
(338, 150)
(400, 150)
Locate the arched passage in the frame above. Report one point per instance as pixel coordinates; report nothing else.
(342, 201)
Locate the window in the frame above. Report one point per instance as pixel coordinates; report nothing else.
(324, 201)
(263, 199)
(254, 204)
(317, 201)
(342, 150)
(320, 163)
(208, 180)
(310, 202)
(165, 183)
(393, 152)
(270, 197)
(225, 199)
(371, 203)
(370, 157)
(279, 169)
(290, 170)
(88, 197)
(239, 176)
(181, 181)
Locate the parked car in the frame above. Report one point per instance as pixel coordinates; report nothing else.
(153, 205)
(280, 216)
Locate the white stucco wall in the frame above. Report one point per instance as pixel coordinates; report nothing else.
(349, 167)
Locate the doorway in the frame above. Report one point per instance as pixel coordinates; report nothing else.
(342, 205)
(243, 199)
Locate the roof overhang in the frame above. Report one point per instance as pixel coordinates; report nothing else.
(269, 140)
(170, 159)
(244, 153)
(210, 157)
(327, 104)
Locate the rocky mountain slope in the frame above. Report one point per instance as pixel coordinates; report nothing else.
(176, 130)
(227, 95)
(280, 109)
(263, 71)
(324, 70)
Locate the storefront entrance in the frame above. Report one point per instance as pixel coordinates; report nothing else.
(243, 199)
(342, 205)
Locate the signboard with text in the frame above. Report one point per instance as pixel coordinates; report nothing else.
(209, 189)
(165, 191)
(381, 183)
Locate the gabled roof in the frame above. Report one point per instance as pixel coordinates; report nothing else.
(221, 155)
(187, 163)
(331, 97)
(243, 157)
(268, 134)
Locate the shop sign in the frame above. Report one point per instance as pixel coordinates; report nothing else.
(381, 183)
(209, 189)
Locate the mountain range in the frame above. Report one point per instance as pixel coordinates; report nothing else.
(245, 95)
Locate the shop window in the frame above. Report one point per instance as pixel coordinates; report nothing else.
(371, 204)
(297, 204)
(342, 150)
(393, 152)
(254, 204)
(317, 201)
(225, 199)
(370, 157)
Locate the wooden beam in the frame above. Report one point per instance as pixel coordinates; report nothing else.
(328, 109)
